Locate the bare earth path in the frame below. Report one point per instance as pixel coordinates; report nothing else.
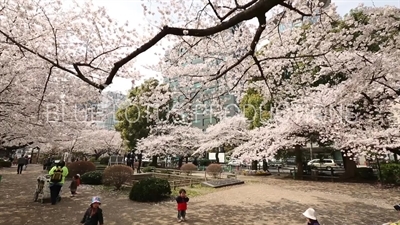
(267, 201)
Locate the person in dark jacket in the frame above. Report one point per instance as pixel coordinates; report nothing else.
(182, 201)
(21, 163)
(93, 215)
(311, 216)
(26, 162)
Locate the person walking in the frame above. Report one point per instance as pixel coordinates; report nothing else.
(57, 179)
(26, 162)
(74, 184)
(21, 162)
(311, 216)
(94, 214)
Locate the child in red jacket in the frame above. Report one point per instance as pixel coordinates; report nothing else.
(182, 201)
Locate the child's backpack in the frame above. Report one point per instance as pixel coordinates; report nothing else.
(57, 175)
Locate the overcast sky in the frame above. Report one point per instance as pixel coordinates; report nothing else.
(131, 10)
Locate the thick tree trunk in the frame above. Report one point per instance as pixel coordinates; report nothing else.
(154, 161)
(265, 165)
(186, 159)
(180, 162)
(254, 165)
(195, 162)
(350, 166)
(216, 155)
(299, 161)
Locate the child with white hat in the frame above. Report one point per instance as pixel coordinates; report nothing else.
(93, 215)
(311, 216)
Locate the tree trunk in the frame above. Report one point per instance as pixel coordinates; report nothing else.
(216, 155)
(265, 165)
(186, 159)
(349, 165)
(139, 162)
(254, 165)
(195, 162)
(154, 161)
(97, 154)
(396, 160)
(299, 161)
(180, 162)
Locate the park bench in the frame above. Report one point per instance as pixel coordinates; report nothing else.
(116, 160)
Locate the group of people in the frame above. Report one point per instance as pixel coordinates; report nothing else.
(94, 214)
(58, 173)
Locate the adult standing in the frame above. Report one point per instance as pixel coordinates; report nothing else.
(26, 162)
(129, 159)
(140, 155)
(57, 179)
(21, 162)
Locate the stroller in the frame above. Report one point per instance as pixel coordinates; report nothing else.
(42, 191)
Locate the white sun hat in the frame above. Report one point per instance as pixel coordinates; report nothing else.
(310, 214)
(96, 199)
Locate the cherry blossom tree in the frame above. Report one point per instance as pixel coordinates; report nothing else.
(94, 142)
(230, 131)
(171, 139)
(350, 59)
(45, 47)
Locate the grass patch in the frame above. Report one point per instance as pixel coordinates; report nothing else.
(194, 191)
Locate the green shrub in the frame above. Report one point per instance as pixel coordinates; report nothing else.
(214, 170)
(104, 160)
(390, 173)
(117, 175)
(92, 178)
(5, 164)
(148, 169)
(80, 167)
(150, 190)
(188, 168)
(204, 162)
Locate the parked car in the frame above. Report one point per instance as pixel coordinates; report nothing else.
(327, 163)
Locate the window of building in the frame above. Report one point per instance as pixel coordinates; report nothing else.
(197, 122)
(206, 121)
(197, 85)
(297, 23)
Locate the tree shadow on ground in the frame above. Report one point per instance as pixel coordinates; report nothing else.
(17, 208)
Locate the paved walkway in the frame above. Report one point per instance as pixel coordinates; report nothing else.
(266, 201)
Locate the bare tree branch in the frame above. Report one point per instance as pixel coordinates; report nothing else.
(8, 85)
(255, 10)
(44, 90)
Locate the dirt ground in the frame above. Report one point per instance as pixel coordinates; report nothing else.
(263, 201)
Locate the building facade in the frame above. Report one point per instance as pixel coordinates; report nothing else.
(108, 109)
